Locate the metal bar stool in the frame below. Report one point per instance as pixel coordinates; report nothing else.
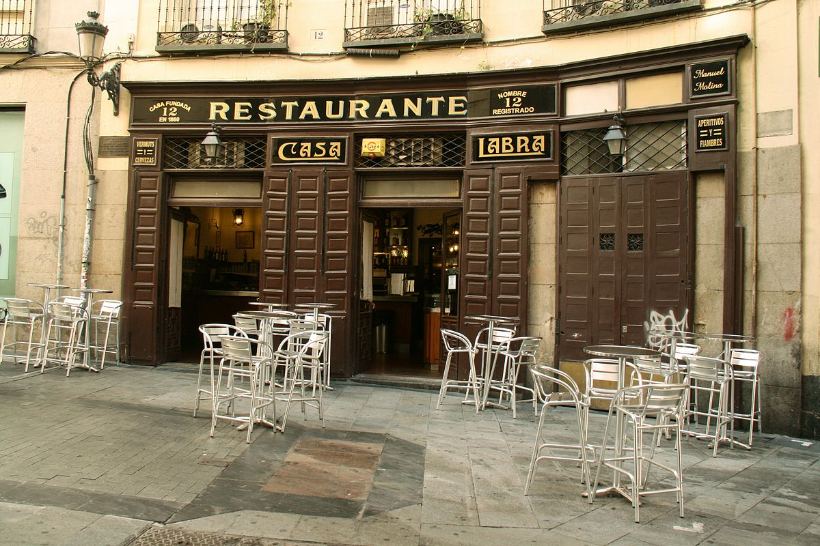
(105, 315)
(64, 335)
(745, 365)
(555, 388)
(455, 344)
(712, 376)
(302, 356)
(519, 352)
(25, 315)
(212, 351)
(248, 359)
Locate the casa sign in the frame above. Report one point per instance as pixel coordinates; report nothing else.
(447, 105)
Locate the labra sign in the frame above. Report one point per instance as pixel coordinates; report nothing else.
(496, 102)
(512, 147)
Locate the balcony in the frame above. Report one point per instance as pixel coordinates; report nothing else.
(396, 23)
(15, 26)
(222, 26)
(562, 16)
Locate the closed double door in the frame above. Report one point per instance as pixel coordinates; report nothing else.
(624, 251)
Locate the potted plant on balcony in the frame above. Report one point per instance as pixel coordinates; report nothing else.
(258, 29)
(437, 23)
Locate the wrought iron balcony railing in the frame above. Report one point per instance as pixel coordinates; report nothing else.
(15, 26)
(197, 26)
(572, 14)
(406, 22)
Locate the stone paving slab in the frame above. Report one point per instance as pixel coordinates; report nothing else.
(96, 458)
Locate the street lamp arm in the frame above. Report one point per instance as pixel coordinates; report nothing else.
(109, 82)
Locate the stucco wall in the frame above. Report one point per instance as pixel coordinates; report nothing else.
(542, 279)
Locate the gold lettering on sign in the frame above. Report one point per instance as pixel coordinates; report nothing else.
(267, 111)
(533, 146)
(310, 150)
(386, 107)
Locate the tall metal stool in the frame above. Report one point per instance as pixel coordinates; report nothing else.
(455, 344)
(745, 364)
(25, 315)
(64, 335)
(519, 352)
(105, 315)
(555, 388)
(714, 377)
(212, 352)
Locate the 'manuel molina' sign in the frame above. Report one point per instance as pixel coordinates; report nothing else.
(710, 78)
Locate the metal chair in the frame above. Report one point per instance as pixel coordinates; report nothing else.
(25, 315)
(64, 335)
(498, 344)
(712, 376)
(249, 360)
(324, 322)
(554, 388)
(303, 353)
(745, 365)
(455, 344)
(212, 351)
(519, 352)
(104, 316)
(645, 409)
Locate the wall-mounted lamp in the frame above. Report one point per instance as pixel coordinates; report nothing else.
(238, 216)
(2, 192)
(615, 137)
(212, 143)
(91, 37)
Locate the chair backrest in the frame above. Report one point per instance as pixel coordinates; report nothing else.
(501, 336)
(683, 350)
(748, 359)
(455, 341)
(605, 370)
(63, 311)
(704, 368)
(654, 399)
(213, 331)
(71, 300)
(523, 349)
(246, 323)
(323, 320)
(546, 379)
(108, 308)
(22, 309)
(236, 349)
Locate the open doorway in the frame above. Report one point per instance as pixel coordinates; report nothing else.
(214, 255)
(409, 286)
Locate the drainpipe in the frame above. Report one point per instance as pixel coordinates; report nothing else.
(61, 227)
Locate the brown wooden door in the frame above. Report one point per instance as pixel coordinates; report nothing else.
(364, 324)
(143, 292)
(494, 249)
(275, 245)
(623, 252)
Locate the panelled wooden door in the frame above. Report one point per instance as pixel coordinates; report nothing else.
(308, 256)
(143, 291)
(623, 252)
(494, 247)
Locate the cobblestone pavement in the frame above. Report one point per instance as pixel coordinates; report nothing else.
(117, 458)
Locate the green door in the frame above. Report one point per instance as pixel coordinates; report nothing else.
(11, 144)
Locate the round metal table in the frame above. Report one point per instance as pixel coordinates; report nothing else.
(488, 358)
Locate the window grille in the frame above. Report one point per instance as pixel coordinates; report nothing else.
(221, 25)
(239, 153)
(634, 242)
(649, 147)
(15, 26)
(417, 151)
(565, 11)
(396, 22)
(606, 241)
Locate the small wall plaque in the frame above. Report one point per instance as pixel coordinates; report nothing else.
(145, 151)
(114, 146)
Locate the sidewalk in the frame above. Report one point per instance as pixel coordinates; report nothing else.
(116, 458)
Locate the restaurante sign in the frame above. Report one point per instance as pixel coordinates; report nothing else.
(504, 102)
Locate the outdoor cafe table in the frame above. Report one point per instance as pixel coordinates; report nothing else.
(270, 306)
(491, 321)
(267, 317)
(315, 307)
(622, 353)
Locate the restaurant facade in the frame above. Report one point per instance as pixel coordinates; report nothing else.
(411, 194)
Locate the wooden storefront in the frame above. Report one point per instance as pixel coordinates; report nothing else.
(511, 128)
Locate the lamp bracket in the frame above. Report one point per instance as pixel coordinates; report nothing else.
(109, 82)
